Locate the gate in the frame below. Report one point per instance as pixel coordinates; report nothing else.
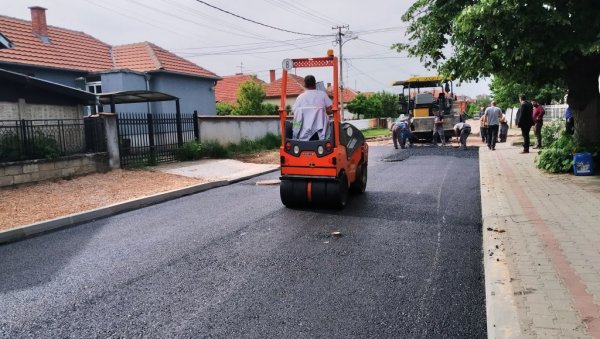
(150, 139)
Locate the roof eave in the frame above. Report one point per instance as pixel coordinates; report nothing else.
(215, 77)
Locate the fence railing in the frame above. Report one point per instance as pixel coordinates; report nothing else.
(555, 112)
(148, 139)
(39, 139)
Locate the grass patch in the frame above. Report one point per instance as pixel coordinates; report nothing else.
(195, 150)
(266, 143)
(376, 132)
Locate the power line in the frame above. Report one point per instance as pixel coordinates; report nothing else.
(256, 22)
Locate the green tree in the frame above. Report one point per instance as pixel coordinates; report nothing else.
(250, 97)
(506, 92)
(225, 108)
(530, 42)
(365, 106)
(390, 107)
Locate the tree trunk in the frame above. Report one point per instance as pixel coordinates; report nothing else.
(584, 98)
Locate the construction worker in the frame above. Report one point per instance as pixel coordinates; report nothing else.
(462, 130)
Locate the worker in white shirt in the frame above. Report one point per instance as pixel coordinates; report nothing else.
(310, 112)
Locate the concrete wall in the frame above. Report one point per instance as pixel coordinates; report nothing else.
(364, 123)
(232, 129)
(22, 110)
(195, 94)
(13, 173)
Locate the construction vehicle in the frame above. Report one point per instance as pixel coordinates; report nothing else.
(321, 173)
(425, 97)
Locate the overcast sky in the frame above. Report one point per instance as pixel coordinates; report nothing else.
(225, 44)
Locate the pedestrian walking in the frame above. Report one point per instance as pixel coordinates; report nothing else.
(462, 130)
(438, 128)
(492, 115)
(483, 129)
(503, 128)
(482, 124)
(538, 120)
(524, 121)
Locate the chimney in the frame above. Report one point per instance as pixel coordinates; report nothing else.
(38, 21)
(272, 76)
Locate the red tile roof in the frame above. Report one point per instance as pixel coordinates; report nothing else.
(295, 87)
(349, 93)
(226, 89)
(79, 51)
(146, 56)
(68, 49)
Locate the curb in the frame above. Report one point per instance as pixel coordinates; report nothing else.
(501, 309)
(27, 231)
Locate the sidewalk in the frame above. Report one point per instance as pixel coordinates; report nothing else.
(216, 173)
(541, 248)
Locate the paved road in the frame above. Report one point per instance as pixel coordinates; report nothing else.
(232, 262)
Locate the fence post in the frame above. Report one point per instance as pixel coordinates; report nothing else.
(151, 135)
(179, 129)
(24, 138)
(196, 127)
(112, 139)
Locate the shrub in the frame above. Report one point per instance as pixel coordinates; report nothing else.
(9, 147)
(552, 131)
(225, 108)
(557, 157)
(213, 149)
(268, 142)
(191, 150)
(39, 146)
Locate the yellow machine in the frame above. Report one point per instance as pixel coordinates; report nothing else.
(425, 97)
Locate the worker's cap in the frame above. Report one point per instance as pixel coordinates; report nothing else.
(402, 117)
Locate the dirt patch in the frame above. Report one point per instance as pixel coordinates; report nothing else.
(26, 204)
(265, 157)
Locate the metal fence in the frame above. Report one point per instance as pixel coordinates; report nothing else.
(40, 139)
(554, 112)
(149, 139)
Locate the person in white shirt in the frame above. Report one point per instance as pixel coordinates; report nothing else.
(462, 130)
(492, 115)
(310, 112)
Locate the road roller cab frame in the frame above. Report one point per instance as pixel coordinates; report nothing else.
(320, 173)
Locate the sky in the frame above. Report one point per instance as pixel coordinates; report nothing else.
(226, 44)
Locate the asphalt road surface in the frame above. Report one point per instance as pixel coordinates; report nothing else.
(233, 262)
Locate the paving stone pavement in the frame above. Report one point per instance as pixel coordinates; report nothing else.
(541, 237)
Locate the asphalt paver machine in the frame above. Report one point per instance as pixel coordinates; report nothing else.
(425, 97)
(320, 173)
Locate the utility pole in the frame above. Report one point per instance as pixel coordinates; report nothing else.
(339, 41)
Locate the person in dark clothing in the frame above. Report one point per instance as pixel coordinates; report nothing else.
(569, 121)
(538, 120)
(524, 120)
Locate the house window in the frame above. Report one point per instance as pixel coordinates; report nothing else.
(96, 88)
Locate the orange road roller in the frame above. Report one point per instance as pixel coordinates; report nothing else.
(320, 171)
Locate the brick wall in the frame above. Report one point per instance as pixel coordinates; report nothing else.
(9, 111)
(13, 173)
(22, 110)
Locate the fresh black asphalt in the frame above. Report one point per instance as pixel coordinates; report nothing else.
(233, 262)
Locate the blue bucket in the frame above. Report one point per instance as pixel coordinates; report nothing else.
(582, 164)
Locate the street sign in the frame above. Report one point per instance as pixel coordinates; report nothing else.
(287, 64)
